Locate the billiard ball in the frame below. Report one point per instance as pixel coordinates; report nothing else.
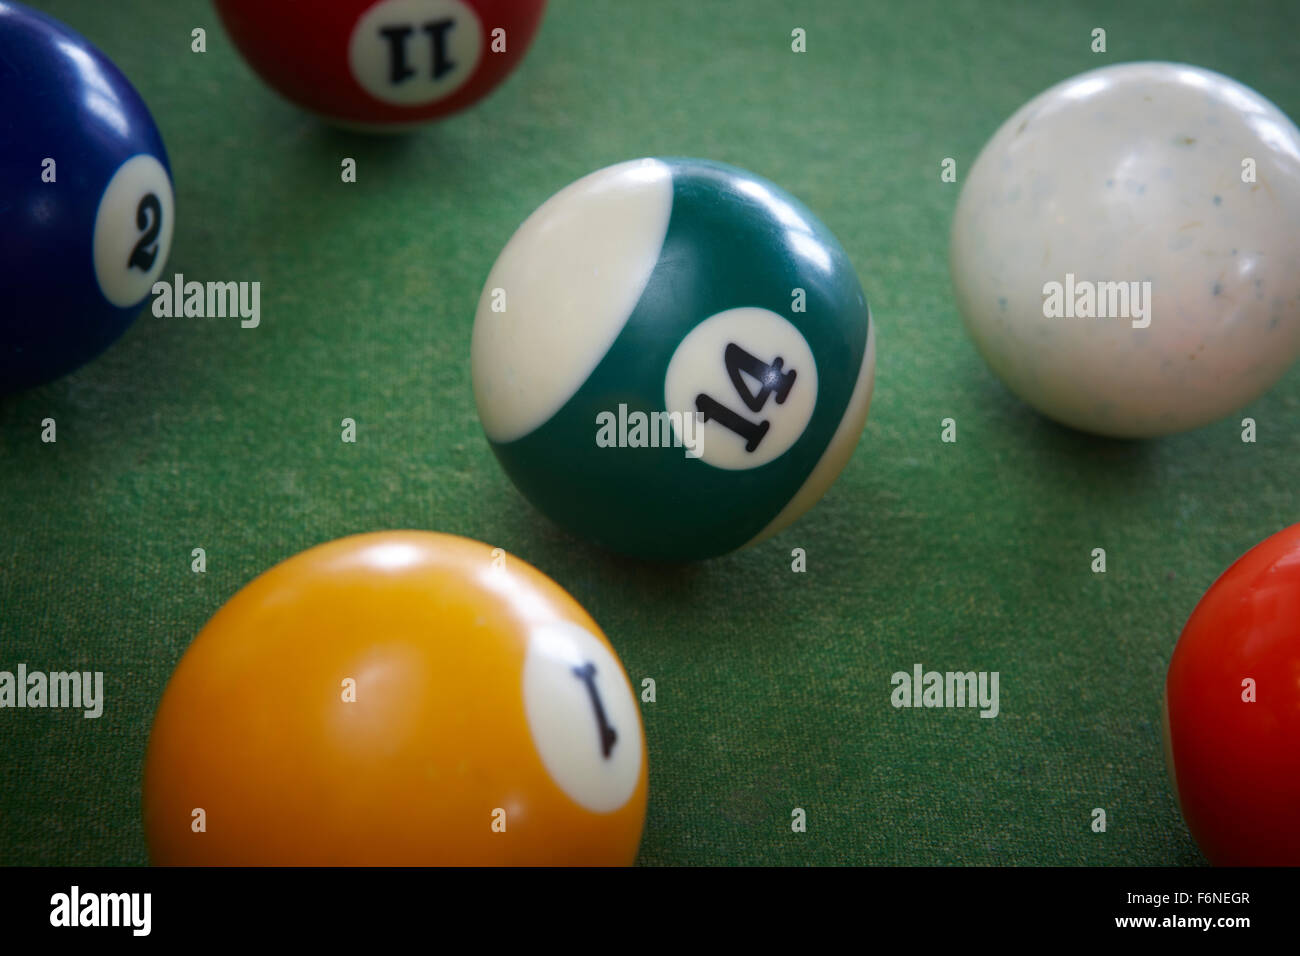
(673, 357)
(400, 698)
(1124, 250)
(382, 64)
(86, 197)
(1232, 710)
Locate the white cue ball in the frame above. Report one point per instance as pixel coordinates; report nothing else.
(1135, 173)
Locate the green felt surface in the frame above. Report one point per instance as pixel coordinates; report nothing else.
(773, 687)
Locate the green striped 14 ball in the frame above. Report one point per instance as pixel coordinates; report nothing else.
(673, 357)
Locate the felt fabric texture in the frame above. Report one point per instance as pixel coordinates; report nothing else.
(772, 687)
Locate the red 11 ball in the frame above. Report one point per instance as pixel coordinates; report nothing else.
(382, 64)
(1232, 710)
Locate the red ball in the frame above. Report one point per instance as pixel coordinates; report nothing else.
(1232, 711)
(382, 63)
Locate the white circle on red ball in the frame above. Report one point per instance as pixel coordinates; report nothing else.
(441, 43)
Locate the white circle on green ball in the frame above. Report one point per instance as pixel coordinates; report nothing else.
(575, 696)
(133, 230)
(414, 52)
(698, 367)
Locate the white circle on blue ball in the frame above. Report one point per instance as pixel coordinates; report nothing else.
(133, 230)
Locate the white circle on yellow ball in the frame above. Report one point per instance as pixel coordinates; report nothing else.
(133, 230)
(413, 52)
(583, 715)
(735, 435)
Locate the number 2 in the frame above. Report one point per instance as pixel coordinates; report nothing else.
(148, 216)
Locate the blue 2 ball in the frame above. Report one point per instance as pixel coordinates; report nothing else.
(86, 202)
